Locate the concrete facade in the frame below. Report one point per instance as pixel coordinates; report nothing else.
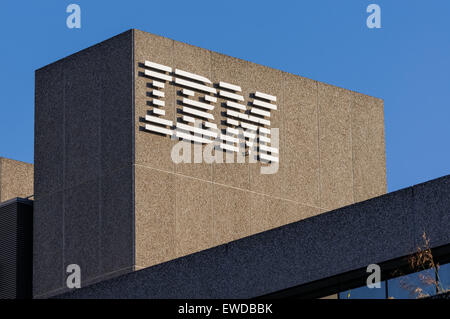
(83, 166)
(332, 154)
(116, 202)
(16, 179)
(317, 248)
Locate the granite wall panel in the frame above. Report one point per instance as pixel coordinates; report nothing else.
(16, 179)
(369, 163)
(155, 212)
(300, 163)
(84, 135)
(335, 147)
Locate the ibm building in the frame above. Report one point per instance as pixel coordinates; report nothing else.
(164, 170)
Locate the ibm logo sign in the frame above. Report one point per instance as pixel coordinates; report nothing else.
(247, 129)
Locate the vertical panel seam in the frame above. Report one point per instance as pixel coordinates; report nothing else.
(1, 179)
(64, 176)
(99, 187)
(351, 145)
(213, 215)
(174, 231)
(213, 239)
(133, 150)
(318, 143)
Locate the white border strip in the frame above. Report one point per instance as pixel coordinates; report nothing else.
(259, 111)
(233, 122)
(158, 93)
(211, 125)
(158, 84)
(158, 120)
(268, 157)
(198, 113)
(188, 119)
(236, 105)
(188, 92)
(229, 86)
(157, 75)
(210, 98)
(231, 95)
(249, 135)
(264, 104)
(158, 129)
(229, 138)
(268, 148)
(196, 130)
(258, 120)
(187, 136)
(266, 96)
(157, 66)
(237, 114)
(158, 102)
(192, 76)
(195, 85)
(159, 111)
(233, 130)
(249, 126)
(198, 104)
(229, 147)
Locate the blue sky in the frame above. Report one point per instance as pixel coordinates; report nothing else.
(407, 62)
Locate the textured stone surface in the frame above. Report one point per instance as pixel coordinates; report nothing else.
(16, 249)
(154, 216)
(82, 228)
(300, 163)
(434, 201)
(48, 244)
(116, 221)
(82, 117)
(335, 147)
(194, 215)
(16, 179)
(232, 215)
(294, 211)
(322, 246)
(369, 163)
(265, 212)
(83, 158)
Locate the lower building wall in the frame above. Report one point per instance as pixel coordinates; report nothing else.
(333, 243)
